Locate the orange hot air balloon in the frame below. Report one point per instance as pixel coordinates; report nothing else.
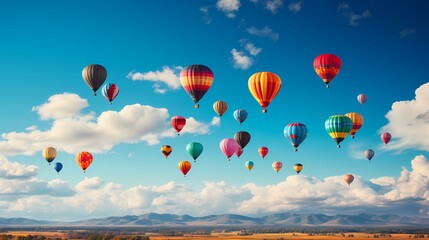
(348, 178)
(327, 66)
(264, 87)
(166, 150)
(184, 167)
(84, 159)
(357, 120)
(220, 107)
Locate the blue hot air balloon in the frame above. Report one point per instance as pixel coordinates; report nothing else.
(240, 115)
(58, 166)
(295, 133)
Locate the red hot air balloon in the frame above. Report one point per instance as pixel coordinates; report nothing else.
(263, 151)
(327, 66)
(84, 159)
(385, 137)
(196, 80)
(178, 123)
(239, 152)
(184, 167)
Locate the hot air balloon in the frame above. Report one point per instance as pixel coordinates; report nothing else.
(249, 165)
(327, 66)
(277, 166)
(178, 123)
(348, 178)
(369, 154)
(94, 75)
(194, 149)
(166, 150)
(264, 87)
(49, 153)
(295, 133)
(239, 152)
(298, 167)
(240, 115)
(263, 151)
(362, 98)
(110, 91)
(58, 166)
(196, 80)
(228, 146)
(184, 167)
(357, 121)
(242, 138)
(84, 159)
(385, 137)
(220, 107)
(338, 127)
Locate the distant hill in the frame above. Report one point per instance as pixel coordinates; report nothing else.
(278, 220)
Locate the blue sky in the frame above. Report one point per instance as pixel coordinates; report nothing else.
(144, 44)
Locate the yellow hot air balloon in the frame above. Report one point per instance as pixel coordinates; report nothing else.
(49, 153)
(357, 120)
(166, 150)
(220, 107)
(298, 167)
(264, 87)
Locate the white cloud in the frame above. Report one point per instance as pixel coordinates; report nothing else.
(132, 124)
(205, 12)
(167, 76)
(264, 32)
(13, 170)
(408, 122)
(31, 128)
(408, 194)
(254, 51)
(295, 6)
(61, 106)
(215, 121)
(407, 32)
(353, 18)
(273, 5)
(229, 7)
(241, 60)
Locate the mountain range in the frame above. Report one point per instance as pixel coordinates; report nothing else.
(230, 220)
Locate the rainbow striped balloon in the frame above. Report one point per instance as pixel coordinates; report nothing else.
(196, 80)
(338, 127)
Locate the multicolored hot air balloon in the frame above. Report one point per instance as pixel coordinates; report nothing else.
(84, 159)
(49, 153)
(295, 133)
(327, 66)
(338, 127)
(264, 87)
(385, 137)
(348, 178)
(94, 76)
(362, 98)
(184, 167)
(249, 165)
(178, 123)
(110, 91)
(263, 151)
(58, 166)
(277, 166)
(240, 115)
(298, 167)
(242, 138)
(357, 121)
(194, 149)
(220, 107)
(228, 146)
(369, 154)
(166, 150)
(196, 80)
(239, 152)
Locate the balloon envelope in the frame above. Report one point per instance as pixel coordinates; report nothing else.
(58, 166)
(228, 146)
(178, 123)
(295, 133)
(385, 137)
(263, 151)
(242, 138)
(249, 165)
(240, 115)
(196, 80)
(184, 167)
(166, 150)
(220, 107)
(348, 178)
(94, 75)
(84, 159)
(194, 149)
(110, 91)
(357, 121)
(49, 153)
(327, 66)
(362, 98)
(338, 127)
(277, 166)
(298, 167)
(264, 87)
(239, 152)
(369, 154)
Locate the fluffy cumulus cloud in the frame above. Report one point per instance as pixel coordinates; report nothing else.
(165, 79)
(407, 194)
(273, 5)
(352, 17)
(241, 60)
(408, 122)
(295, 6)
(60, 106)
(73, 132)
(263, 32)
(229, 7)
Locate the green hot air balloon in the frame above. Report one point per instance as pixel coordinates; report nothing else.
(194, 150)
(338, 127)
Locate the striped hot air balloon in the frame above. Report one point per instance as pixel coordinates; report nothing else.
(220, 107)
(240, 115)
(196, 80)
(94, 75)
(295, 133)
(84, 159)
(327, 66)
(338, 127)
(49, 153)
(362, 98)
(357, 120)
(184, 167)
(264, 87)
(110, 91)
(242, 138)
